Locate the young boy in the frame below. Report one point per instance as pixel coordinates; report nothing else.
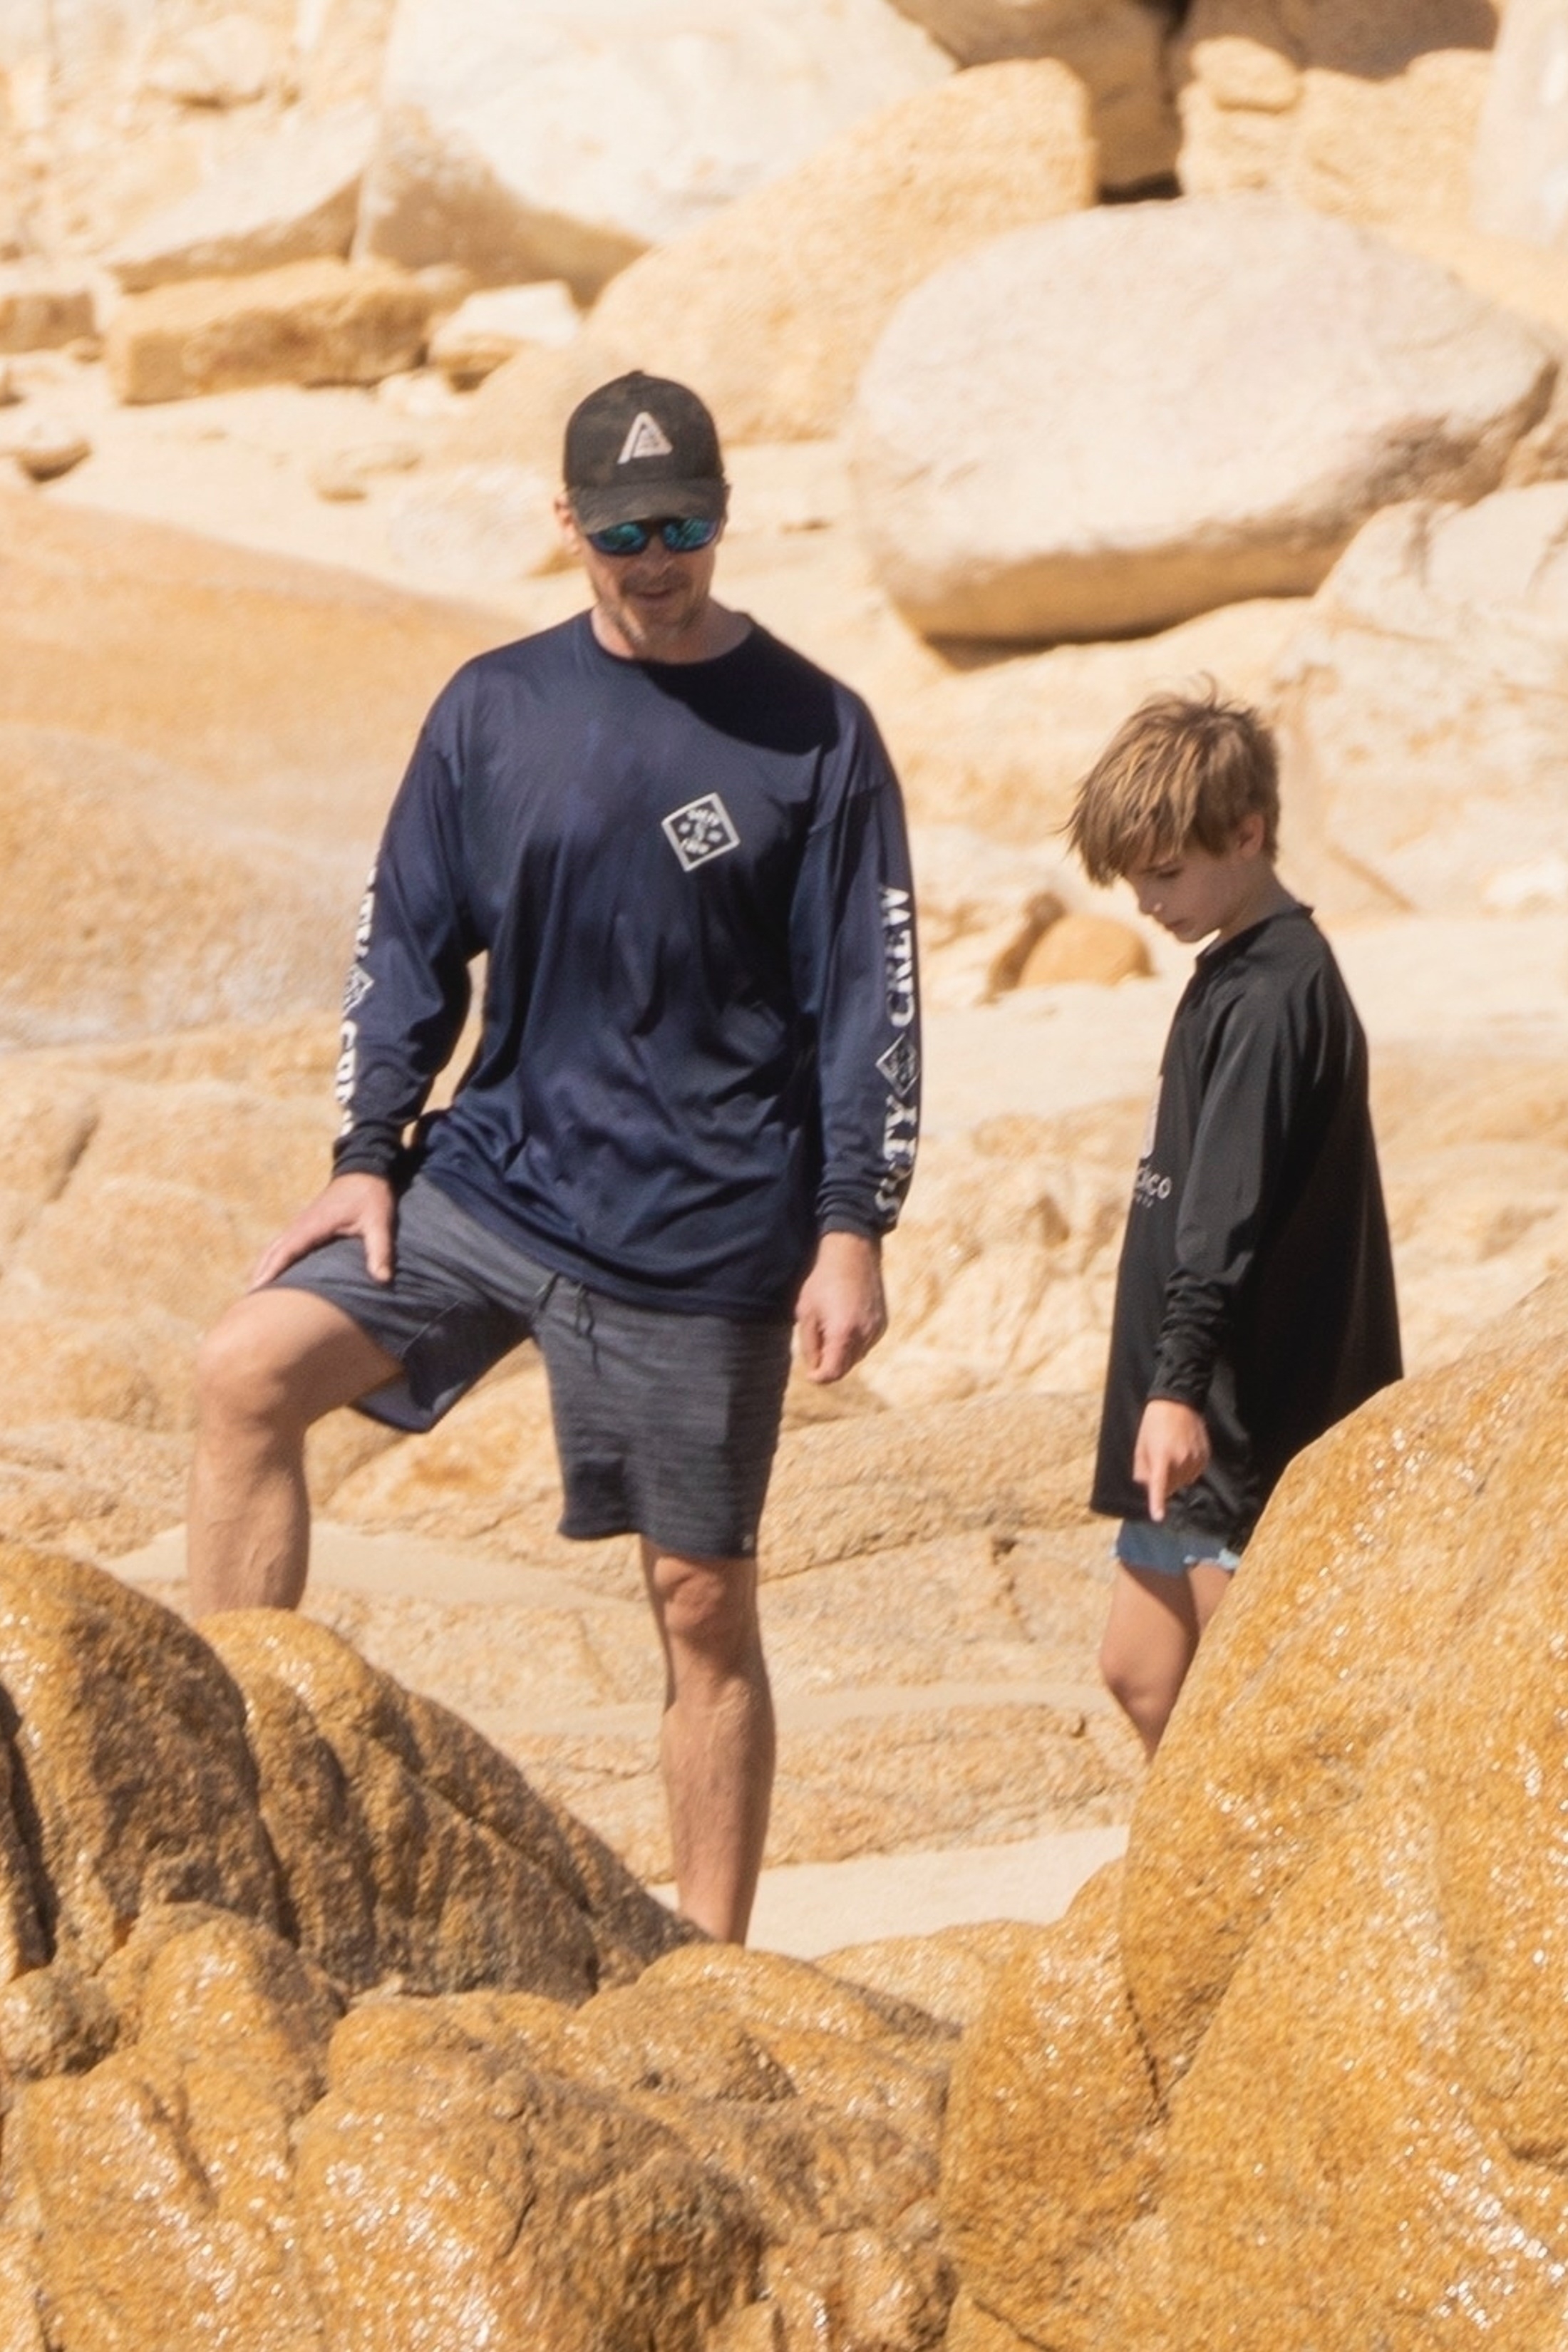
(1255, 1301)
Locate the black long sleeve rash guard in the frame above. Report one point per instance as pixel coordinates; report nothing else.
(1256, 1282)
(699, 1043)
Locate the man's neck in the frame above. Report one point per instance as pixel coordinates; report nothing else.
(715, 631)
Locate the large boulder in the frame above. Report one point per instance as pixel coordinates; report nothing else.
(320, 321)
(558, 142)
(773, 307)
(1263, 379)
(1367, 112)
(1303, 2070)
(1423, 707)
(1117, 47)
(561, 2117)
(292, 196)
(1522, 151)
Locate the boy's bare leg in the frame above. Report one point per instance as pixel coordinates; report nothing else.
(275, 1363)
(1151, 1636)
(716, 1739)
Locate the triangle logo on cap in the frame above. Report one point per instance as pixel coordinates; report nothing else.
(647, 438)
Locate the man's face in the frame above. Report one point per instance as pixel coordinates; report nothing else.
(652, 606)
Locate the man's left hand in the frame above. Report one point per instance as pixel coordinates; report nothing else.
(840, 1314)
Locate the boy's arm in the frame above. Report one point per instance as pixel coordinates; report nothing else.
(1258, 1097)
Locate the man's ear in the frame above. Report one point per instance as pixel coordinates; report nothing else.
(567, 524)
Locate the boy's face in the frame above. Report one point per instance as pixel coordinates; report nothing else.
(1194, 893)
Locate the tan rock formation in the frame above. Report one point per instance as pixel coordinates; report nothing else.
(1371, 112)
(292, 197)
(317, 321)
(1232, 438)
(196, 841)
(40, 312)
(1424, 709)
(999, 747)
(1115, 46)
(774, 306)
(1085, 947)
(487, 329)
(1315, 2011)
(481, 160)
(206, 2141)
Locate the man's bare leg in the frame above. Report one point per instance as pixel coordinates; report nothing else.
(276, 1361)
(717, 1741)
(1151, 1636)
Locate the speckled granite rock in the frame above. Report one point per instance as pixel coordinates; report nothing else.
(1299, 2078)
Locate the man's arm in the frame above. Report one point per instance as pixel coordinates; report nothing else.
(853, 948)
(404, 1007)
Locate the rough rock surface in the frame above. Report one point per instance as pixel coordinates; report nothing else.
(1424, 709)
(1319, 2008)
(320, 321)
(40, 311)
(1266, 379)
(1368, 112)
(557, 2117)
(481, 162)
(1115, 46)
(294, 197)
(244, 814)
(774, 305)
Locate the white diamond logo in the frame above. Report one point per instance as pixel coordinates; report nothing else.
(900, 1066)
(700, 832)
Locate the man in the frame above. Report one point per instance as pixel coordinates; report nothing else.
(690, 1118)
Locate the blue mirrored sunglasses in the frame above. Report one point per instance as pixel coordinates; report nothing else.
(682, 534)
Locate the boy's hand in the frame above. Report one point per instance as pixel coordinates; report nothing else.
(1173, 1449)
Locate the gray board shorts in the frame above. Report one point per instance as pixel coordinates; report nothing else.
(665, 1424)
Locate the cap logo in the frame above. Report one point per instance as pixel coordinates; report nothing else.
(647, 438)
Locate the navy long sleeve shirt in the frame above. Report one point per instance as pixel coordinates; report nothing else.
(1257, 1281)
(690, 886)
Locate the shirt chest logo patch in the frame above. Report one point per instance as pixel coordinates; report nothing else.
(700, 832)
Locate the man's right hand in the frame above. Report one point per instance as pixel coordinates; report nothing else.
(352, 1204)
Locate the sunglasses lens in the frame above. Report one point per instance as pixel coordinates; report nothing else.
(621, 539)
(684, 534)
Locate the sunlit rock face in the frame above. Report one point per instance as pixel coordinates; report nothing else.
(184, 837)
(482, 159)
(320, 2028)
(1367, 110)
(774, 305)
(1266, 379)
(1301, 2067)
(1424, 707)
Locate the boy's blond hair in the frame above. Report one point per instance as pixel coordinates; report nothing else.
(1182, 772)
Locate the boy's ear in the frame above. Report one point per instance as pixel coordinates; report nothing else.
(1250, 833)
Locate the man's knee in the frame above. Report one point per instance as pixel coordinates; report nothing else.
(277, 1359)
(709, 1605)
